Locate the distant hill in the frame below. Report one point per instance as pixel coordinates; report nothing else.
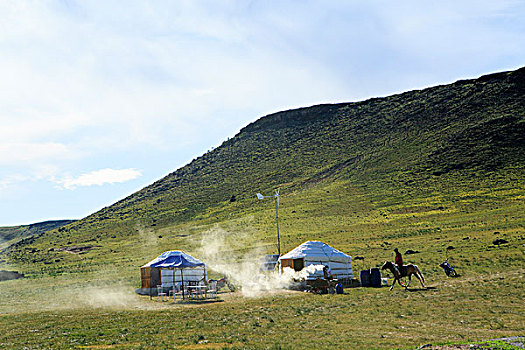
(386, 151)
(13, 234)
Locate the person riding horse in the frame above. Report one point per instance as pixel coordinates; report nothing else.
(409, 269)
(399, 262)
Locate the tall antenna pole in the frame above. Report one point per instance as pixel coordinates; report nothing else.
(277, 220)
(276, 198)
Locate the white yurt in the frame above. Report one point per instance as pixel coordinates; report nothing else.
(318, 253)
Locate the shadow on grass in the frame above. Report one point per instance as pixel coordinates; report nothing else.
(198, 302)
(420, 289)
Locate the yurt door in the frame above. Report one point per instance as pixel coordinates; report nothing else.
(145, 277)
(298, 264)
(155, 277)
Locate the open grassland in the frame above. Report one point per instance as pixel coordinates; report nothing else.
(469, 308)
(87, 300)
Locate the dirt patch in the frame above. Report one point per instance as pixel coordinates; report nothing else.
(108, 346)
(206, 345)
(496, 344)
(76, 249)
(10, 275)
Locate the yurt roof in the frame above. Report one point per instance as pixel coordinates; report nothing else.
(316, 250)
(175, 259)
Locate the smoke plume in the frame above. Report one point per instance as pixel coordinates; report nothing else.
(225, 253)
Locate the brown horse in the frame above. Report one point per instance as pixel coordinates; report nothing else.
(408, 270)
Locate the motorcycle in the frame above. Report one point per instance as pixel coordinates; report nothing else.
(449, 270)
(223, 282)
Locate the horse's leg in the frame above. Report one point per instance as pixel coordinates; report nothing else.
(409, 280)
(420, 280)
(392, 287)
(418, 275)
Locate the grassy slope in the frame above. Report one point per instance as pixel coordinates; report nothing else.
(422, 170)
(13, 234)
(436, 142)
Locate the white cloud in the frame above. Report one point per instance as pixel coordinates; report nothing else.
(159, 73)
(100, 177)
(8, 181)
(28, 152)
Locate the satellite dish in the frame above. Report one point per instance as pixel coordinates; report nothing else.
(260, 196)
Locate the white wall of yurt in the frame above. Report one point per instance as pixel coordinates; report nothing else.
(190, 275)
(339, 269)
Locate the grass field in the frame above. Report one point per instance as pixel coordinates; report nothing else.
(469, 308)
(89, 303)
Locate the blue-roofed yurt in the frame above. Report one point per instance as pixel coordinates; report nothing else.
(169, 269)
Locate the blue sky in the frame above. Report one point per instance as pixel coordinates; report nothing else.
(101, 98)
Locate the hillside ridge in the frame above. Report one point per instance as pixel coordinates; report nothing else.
(280, 116)
(459, 134)
(14, 234)
(406, 114)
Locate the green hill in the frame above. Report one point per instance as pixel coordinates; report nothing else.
(13, 234)
(438, 171)
(344, 170)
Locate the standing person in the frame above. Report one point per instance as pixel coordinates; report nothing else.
(399, 261)
(327, 272)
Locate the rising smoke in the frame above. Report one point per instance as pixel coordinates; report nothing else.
(147, 235)
(225, 253)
